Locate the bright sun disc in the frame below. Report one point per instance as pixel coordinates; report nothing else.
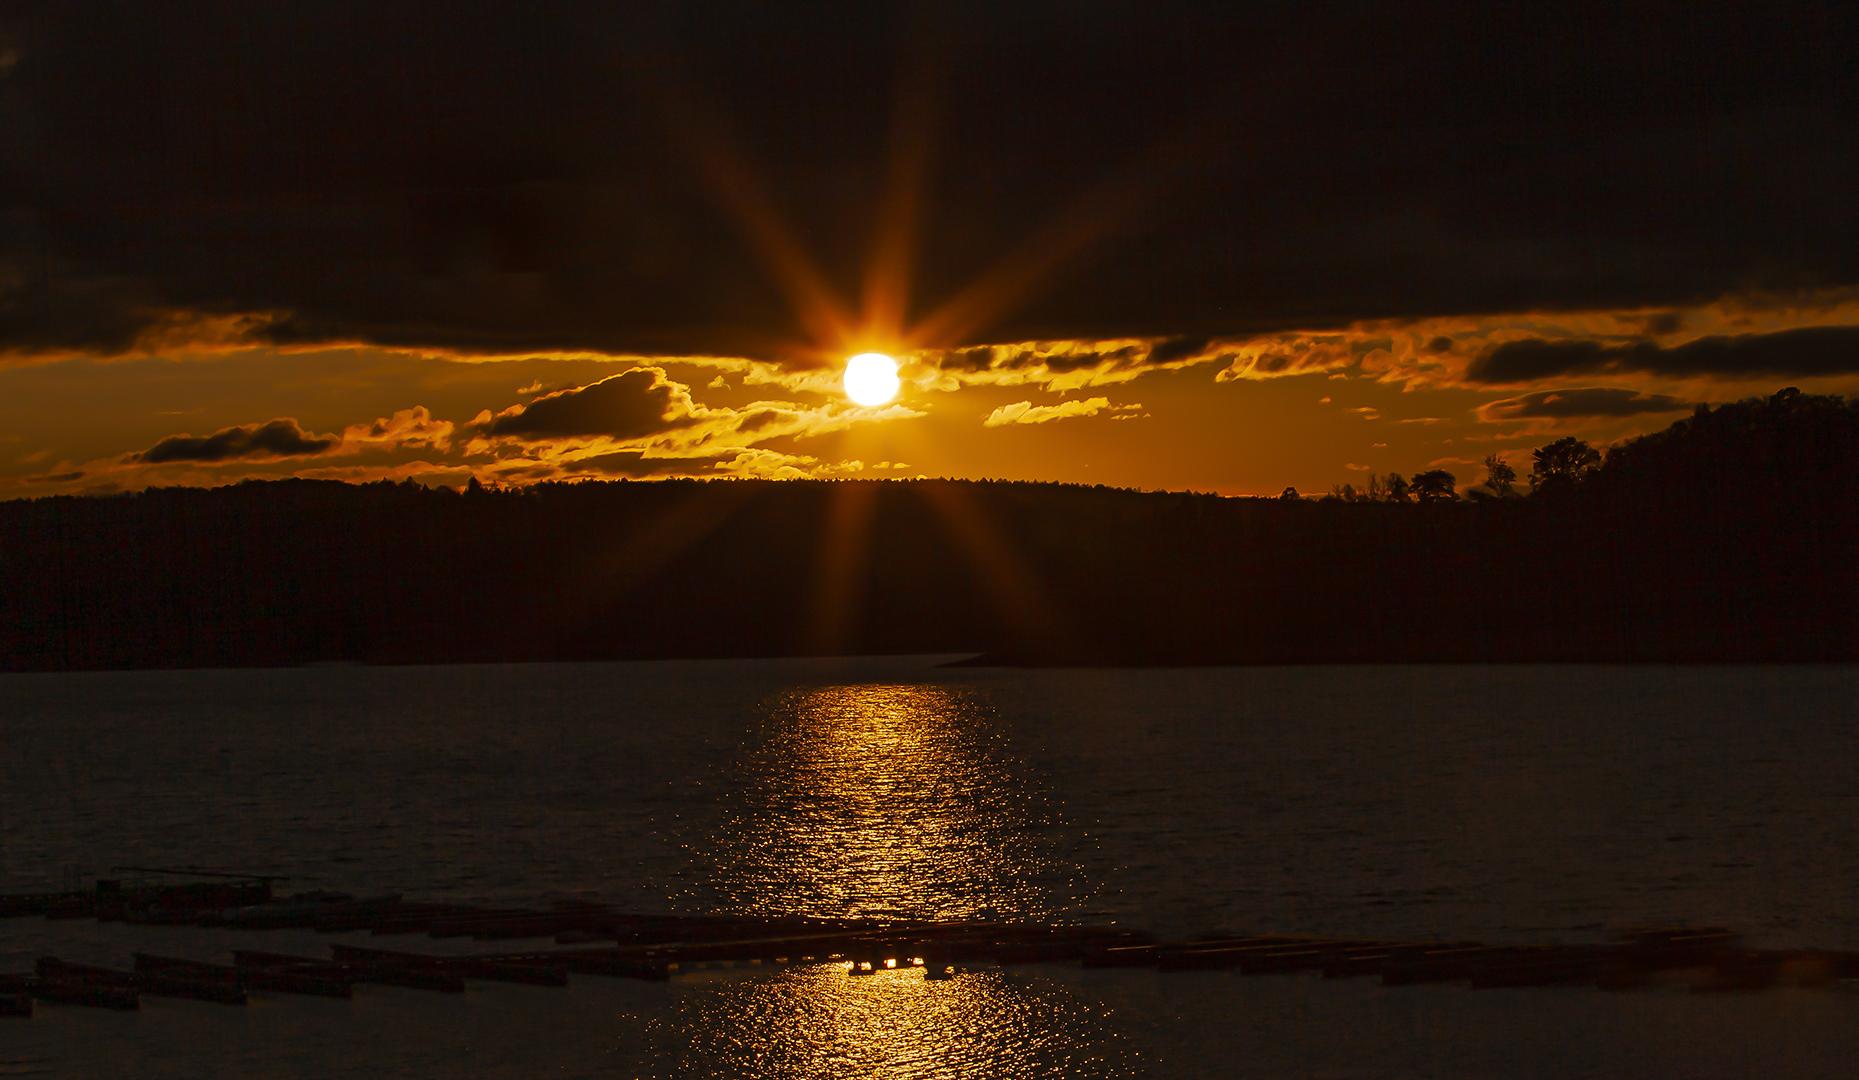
(871, 378)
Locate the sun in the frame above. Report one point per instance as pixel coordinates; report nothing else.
(871, 378)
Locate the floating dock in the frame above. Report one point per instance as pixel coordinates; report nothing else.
(598, 940)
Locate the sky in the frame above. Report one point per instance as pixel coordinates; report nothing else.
(1227, 247)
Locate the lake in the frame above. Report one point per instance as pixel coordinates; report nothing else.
(1527, 803)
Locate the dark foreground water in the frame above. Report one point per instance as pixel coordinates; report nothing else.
(1494, 803)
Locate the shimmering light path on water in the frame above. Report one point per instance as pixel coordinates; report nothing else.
(1489, 803)
(816, 1022)
(887, 800)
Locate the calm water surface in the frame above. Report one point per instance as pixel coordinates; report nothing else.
(1498, 803)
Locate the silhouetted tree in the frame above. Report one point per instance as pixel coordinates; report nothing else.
(1562, 463)
(1499, 476)
(1289, 495)
(1436, 485)
(1395, 488)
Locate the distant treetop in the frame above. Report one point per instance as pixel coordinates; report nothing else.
(1562, 464)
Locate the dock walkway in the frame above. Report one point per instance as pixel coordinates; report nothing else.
(593, 939)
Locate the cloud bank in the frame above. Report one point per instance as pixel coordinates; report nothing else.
(634, 180)
(1802, 353)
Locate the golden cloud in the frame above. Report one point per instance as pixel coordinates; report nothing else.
(1442, 351)
(643, 422)
(1025, 412)
(408, 427)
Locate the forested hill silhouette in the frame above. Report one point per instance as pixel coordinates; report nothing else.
(1733, 535)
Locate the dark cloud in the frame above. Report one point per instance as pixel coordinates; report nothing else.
(1591, 403)
(1058, 363)
(626, 463)
(1061, 363)
(967, 360)
(529, 177)
(40, 315)
(625, 406)
(1662, 323)
(277, 439)
(533, 472)
(1818, 350)
(757, 420)
(1177, 349)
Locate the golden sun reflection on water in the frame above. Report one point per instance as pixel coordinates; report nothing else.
(888, 800)
(817, 1021)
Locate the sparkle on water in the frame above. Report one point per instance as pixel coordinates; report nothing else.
(814, 1022)
(896, 801)
(1502, 803)
(887, 801)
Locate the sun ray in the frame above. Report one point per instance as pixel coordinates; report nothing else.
(841, 566)
(732, 180)
(1089, 218)
(894, 243)
(1012, 585)
(638, 557)
(821, 311)
(880, 323)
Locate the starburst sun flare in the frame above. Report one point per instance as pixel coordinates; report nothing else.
(871, 378)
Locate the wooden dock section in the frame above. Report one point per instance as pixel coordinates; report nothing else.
(599, 941)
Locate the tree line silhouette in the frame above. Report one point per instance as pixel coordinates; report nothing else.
(1733, 535)
(1564, 462)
